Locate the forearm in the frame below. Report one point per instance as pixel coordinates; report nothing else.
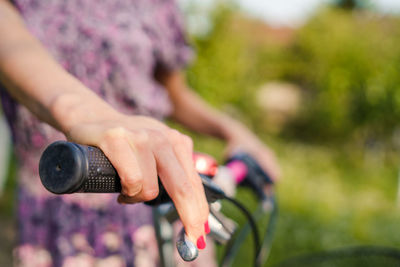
(37, 81)
(196, 114)
(193, 112)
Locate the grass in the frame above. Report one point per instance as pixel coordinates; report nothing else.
(331, 199)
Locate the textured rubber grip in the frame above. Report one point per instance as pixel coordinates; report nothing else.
(67, 168)
(101, 176)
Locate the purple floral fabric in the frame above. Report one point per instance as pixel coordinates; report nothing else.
(113, 47)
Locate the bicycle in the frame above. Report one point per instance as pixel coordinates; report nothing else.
(70, 168)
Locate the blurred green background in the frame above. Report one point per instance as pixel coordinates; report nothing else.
(326, 98)
(336, 136)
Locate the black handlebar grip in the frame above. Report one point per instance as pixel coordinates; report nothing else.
(66, 168)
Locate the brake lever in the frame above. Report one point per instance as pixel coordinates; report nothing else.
(186, 248)
(221, 227)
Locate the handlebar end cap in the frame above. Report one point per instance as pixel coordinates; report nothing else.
(62, 167)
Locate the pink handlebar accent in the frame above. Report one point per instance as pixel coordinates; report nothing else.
(238, 169)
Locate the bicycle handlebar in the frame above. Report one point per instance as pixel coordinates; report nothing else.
(67, 168)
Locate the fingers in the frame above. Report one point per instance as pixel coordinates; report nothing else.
(140, 145)
(150, 187)
(134, 163)
(183, 149)
(140, 148)
(177, 175)
(116, 147)
(139, 155)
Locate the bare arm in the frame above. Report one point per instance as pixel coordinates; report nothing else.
(140, 148)
(36, 80)
(196, 114)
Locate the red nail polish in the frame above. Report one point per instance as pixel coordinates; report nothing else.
(201, 244)
(206, 228)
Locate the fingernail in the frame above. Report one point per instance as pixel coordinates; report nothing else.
(201, 244)
(206, 228)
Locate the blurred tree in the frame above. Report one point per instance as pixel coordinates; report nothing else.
(349, 65)
(351, 4)
(347, 4)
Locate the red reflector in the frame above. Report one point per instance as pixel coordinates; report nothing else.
(205, 164)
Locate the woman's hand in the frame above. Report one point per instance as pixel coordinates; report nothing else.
(241, 139)
(142, 148)
(138, 147)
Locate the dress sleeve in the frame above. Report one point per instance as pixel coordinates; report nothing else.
(173, 50)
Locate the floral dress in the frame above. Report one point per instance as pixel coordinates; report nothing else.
(113, 47)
